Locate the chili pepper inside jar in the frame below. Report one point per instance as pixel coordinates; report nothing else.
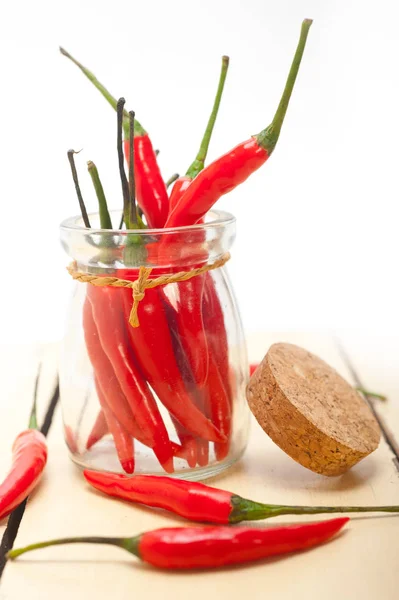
(154, 365)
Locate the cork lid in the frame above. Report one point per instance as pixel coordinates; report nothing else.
(310, 411)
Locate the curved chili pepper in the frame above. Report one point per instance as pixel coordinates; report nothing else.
(154, 350)
(210, 547)
(29, 457)
(99, 429)
(123, 440)
(107, 312)
(152, 196)
(228, 171)
(199, 502)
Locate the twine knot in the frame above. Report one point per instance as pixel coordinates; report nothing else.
(143, 282)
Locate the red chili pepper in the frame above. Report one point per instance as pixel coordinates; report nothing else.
(210, 547)
(123, 440)
(183, 183)
(105, 376)
(220, 409)
(29, 457)
(196, 448)
(99, 429)
(199, 502)
(225, 173)
(153, 348)
(178, 190)
(107, 312)
(151, 192)
(191, 327)
(152, 196)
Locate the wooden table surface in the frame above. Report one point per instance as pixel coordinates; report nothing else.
(363, 562)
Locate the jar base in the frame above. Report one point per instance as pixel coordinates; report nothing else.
(188, 474)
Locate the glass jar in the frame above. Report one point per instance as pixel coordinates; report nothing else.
(166, 396)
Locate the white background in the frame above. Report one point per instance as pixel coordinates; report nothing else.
(317, 244)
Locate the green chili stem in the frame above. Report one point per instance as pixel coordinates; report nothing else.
(139, 129)
(129, 544)
(132, 184)
(247, 510)
(199, 161)
(371, 394)
(105, 219)
(267, 139)
(124, 181)
(172, 179)
(33, 413)
(77, 188)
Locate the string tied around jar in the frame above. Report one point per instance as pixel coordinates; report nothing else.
(143, 282)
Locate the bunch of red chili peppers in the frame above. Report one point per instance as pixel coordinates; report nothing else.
(127, 362)
(175, 350)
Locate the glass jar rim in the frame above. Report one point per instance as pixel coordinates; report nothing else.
(219, 218)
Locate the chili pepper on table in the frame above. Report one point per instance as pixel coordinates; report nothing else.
(29, 457)
(209, 547)
(151, 191)
(231, 169)
(199, 502)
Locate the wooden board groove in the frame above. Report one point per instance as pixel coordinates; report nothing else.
(385, 429)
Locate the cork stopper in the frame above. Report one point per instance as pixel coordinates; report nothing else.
(310, 411)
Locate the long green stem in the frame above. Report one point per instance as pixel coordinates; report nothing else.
(129, 544)
(199, 161)
(139, 129)
(77, 188)
(269, 136)
(371, 394)
(247, 510)
(105, 219)
(33, 413)
(317, 510)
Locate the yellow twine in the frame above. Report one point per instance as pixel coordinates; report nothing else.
(143, 282)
